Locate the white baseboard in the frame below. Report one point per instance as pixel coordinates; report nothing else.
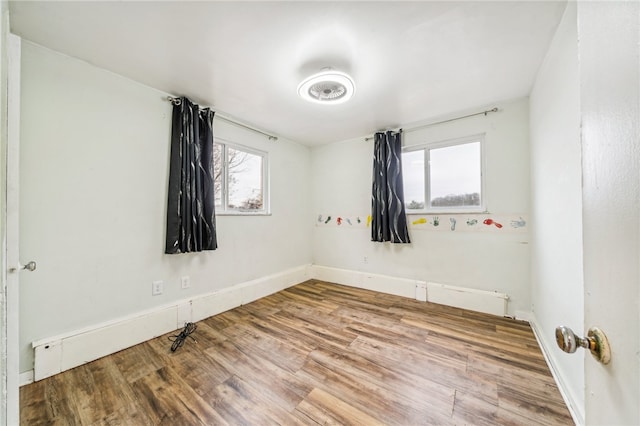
(25, 378)
(524, 316)
(461, 297)
(489, 302)
(572, 405)
(63, 352)
(382, 283)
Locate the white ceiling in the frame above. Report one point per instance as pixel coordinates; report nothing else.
(410, 60)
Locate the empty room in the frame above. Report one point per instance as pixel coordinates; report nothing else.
(320, 212)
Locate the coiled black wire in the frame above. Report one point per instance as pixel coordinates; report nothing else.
(178, 340)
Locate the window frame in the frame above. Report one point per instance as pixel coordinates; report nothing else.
(427, 147)
(223, 208)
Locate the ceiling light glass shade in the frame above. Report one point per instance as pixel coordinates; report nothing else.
(327, 87)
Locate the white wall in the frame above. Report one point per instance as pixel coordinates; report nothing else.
(556, 199)
(485, 260)
(94, 170)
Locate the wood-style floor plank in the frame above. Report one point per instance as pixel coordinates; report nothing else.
(316, 353)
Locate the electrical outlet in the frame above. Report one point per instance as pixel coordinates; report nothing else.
(365, 260)
(157, 288)
(185, 282)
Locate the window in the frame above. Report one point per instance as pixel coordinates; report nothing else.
(240, 175)
(444, 177)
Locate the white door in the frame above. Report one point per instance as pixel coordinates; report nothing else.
(610, 110)
(12, 249)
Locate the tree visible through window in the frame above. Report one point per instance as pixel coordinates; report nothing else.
(240, 176)
(444, 177)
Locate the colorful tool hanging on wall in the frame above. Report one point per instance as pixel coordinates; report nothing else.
(520, 223)
(492, 222)
(457, 223)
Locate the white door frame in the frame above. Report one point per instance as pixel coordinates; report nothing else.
(11, 248)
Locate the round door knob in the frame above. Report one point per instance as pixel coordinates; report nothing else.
(566, 339)
(596, 341)
(31, 266)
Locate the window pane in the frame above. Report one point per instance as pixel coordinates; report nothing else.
(455, 173)
(217, 173)
(245, 180)
(413, 179)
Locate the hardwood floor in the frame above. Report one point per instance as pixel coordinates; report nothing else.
(316, 353)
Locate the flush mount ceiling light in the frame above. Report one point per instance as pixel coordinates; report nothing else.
(327, 87)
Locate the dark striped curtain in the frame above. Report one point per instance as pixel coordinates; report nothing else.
(389, 220)
(191, 216)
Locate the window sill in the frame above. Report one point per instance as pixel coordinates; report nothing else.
(432, 212)
(240, 213)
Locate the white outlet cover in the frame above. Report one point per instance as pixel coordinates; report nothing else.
(185, 282)
(157, 288)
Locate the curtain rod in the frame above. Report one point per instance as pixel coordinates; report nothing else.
(412, 129)
(176, 101)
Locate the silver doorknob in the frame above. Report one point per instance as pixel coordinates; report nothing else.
(596, 341)
(30, 266)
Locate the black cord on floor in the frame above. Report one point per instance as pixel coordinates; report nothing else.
(178, 340)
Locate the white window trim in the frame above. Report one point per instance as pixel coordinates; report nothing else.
(266, 199)
(482, 208)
